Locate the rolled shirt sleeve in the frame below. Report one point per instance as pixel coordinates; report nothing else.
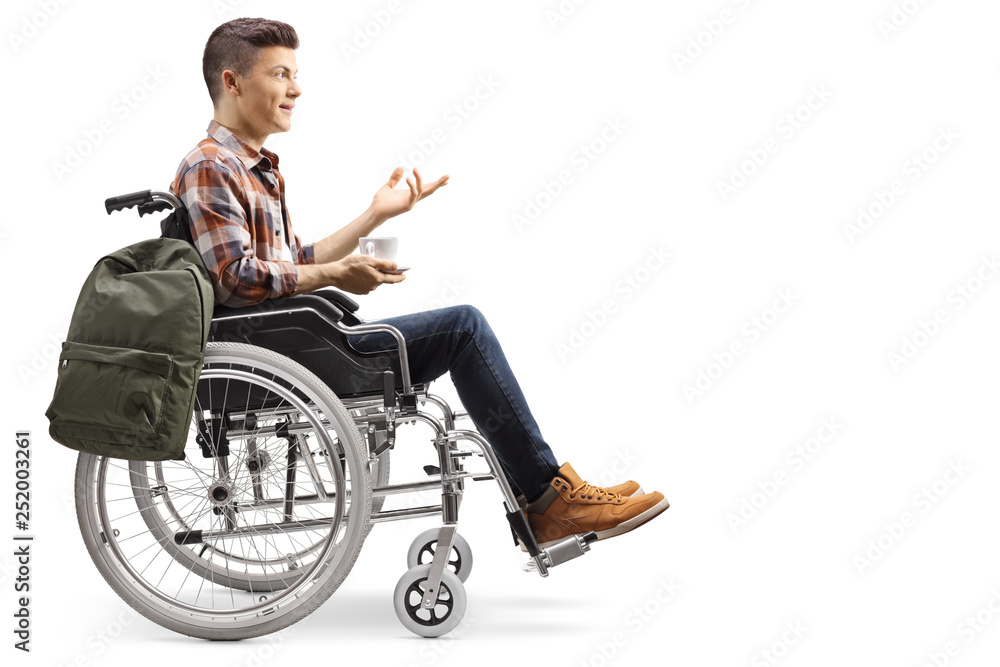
(306, 252)
(218, 208)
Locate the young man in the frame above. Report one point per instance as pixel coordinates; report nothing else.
(231, 186)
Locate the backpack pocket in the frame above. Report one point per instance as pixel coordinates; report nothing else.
(112, 388)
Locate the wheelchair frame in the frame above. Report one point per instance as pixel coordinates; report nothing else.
(375, 412)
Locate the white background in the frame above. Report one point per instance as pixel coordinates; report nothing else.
(615, 405)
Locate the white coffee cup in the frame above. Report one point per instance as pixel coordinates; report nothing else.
(379, 247)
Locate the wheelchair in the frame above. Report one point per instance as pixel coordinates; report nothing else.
(285, 473)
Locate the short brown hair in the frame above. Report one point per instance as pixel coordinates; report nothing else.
(235, 45)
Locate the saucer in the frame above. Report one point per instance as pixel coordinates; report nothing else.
(399, 270)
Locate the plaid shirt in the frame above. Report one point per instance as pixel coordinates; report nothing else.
(235, 197)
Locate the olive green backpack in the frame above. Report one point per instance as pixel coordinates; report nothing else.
(129, 368)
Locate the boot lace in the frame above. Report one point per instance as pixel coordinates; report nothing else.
(590, 492)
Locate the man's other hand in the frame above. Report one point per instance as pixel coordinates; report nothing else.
(360, 274)
(357, 274)
(389, 202)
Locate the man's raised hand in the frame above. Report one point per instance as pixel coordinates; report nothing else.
(389, 202)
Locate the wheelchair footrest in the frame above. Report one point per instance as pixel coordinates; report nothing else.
(568, 549)
(559, 553)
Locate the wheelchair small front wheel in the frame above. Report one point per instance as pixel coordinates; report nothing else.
(443, 617)
(423, 548)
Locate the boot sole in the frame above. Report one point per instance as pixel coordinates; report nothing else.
(620, 529)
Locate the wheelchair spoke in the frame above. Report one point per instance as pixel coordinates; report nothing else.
(222, 544)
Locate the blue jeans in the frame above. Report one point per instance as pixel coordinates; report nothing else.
(460, 340)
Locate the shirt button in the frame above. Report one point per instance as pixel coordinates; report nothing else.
(278, 233)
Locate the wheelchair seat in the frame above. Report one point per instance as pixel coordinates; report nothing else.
(305, 328)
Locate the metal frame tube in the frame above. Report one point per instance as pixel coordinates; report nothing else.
(449, 420)
(408, 513)
(510, 500)
(174, 201)
(411, 487)
(404, 362)
(264, 528)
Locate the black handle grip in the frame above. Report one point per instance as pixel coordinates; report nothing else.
(127, 201)
(154, 206)
(389, 389)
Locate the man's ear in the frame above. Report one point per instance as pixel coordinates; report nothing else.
(229, 82)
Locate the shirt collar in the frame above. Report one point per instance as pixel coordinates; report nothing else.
(247, 155)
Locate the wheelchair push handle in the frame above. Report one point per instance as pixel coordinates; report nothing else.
(147, 201)
(127, 201)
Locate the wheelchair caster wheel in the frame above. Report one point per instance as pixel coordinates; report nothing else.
(423, 547)
(446, 614)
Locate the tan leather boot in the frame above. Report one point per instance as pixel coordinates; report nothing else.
(629, 488)
(572, 506)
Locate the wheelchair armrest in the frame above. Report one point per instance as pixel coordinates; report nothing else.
(341, 300)
(298, 302)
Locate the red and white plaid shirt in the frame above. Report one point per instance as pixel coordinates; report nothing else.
(235, 197)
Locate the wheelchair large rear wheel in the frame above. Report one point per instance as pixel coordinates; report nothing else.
(257, 525)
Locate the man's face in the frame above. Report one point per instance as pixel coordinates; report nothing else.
(269, 93)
